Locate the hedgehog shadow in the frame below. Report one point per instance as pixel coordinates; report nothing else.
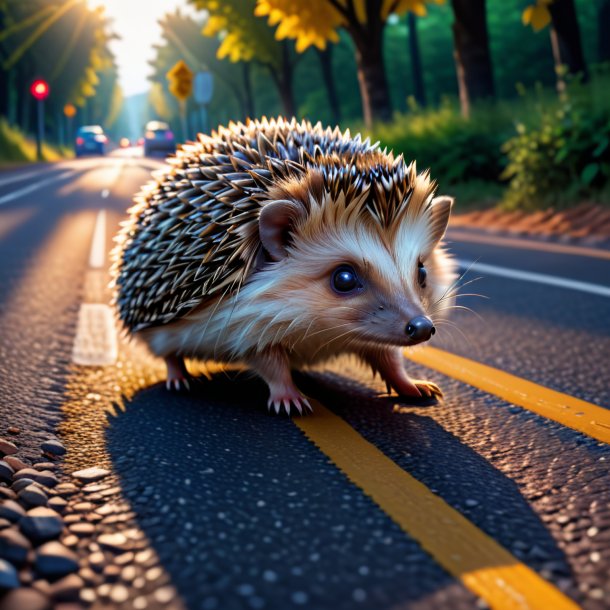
(200, 465)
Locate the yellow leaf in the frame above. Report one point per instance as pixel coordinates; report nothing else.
(537, 15)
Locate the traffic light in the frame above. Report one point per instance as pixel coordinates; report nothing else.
(40, 89)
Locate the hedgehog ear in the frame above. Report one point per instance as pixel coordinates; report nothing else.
(275, 222)
(440, 209)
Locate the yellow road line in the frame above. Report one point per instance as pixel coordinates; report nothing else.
(572, 412)
(482, 565)
(526, 244)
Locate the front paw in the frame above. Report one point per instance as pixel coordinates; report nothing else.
(288, 398)
(428, 389)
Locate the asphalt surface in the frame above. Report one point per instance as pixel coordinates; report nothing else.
(241, 510)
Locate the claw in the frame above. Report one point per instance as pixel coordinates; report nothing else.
(276, 406)
(168, 385)
(187, 385)
(287, 405)
(306, 403)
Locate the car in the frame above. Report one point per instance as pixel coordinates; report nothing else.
(158, 137)
(90, 139)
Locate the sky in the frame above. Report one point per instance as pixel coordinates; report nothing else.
(135, 21)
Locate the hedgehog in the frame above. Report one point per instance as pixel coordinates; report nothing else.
(280, 245)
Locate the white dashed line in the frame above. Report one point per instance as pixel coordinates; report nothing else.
(35, 186)
(97, 256)
(96, 343)
(538, 278)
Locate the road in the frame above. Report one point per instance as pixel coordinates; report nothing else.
(498, 496)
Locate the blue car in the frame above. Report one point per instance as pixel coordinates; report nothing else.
(90, 140)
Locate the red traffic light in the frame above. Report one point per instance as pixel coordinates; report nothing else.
(40, 89)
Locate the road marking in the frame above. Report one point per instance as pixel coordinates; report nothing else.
(97, 256)
(95, 343)
(105, 194)
(461, 548)
(20, 177)
(537, 278)
(585, 417)
(35, 186)
(525, 244)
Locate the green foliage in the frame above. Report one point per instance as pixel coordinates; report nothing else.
(16, 148)
(456, 149)
(565, 156)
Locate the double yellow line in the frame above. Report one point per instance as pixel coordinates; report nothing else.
(461, 548)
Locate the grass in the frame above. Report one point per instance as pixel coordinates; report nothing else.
(16, 148)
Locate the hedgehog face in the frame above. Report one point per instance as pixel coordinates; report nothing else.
(349, 282)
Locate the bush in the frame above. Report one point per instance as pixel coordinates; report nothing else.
(457, 150)
(565, 158)
(15, 147)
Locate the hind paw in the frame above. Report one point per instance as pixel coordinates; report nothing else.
(428, 389)
(179, 384)
(287, 400)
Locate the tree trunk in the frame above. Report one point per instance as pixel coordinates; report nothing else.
(374, 90)
(283, 81)
(248, 99)
(326, 67)
(603, 36)
(472, 57)
(565, 40)
(419, 89)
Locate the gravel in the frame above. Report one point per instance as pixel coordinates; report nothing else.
(12, 511)
(41, 524)
(6, 472)
(8, 575)
(53, 447)
(88, 475)
(7, 448)
(53, 559)
(32, 495)
(14, 546)
(25, 599)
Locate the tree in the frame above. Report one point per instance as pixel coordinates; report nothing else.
(244, 38)
(471, 52)
(419, 90)
(315, 23)
(565, 36)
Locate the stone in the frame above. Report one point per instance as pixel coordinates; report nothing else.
(57, 503)
(116, 542)
(17, 486)
(9, 579)
(12, 511)
(97, 561)
(6, 471)
(33, 496)
(119, 594)
(47, 478)
(53, 559)
(68, 588)
(88, 475)
(82, 528)
(15, 463)
(41, 524)
(14, 546)
(7, 494)
(45, 466)
(7, 448)
(53, 447)
(25, 599)
(26, 473)
(4, 523)
(66, 489)
(14, 430)
(83, 507)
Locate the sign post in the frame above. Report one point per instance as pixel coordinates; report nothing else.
(70, 113)
(180, 79)
(203, 90)
(40, 91)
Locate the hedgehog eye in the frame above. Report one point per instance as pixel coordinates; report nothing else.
(422, 274)
(344, 279)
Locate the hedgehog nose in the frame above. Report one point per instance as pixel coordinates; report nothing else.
(420, 328)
